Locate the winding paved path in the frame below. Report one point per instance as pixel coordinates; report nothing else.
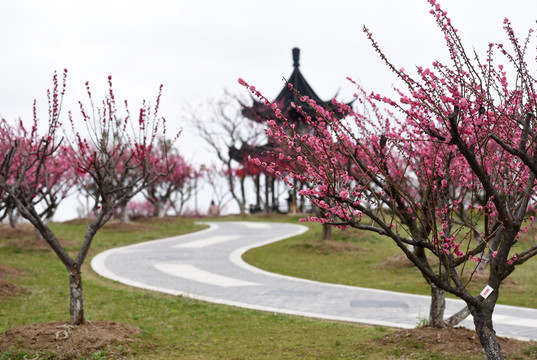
(207, 265)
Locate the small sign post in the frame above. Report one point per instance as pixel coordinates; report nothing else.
(486, 291)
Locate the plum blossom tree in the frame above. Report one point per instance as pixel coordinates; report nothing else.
(166, 191)
(7, 210)
(450, 179)
(7, 207)
(94, 158)
(49, 190)
(326, 145)
(140, 209)
(58, 184)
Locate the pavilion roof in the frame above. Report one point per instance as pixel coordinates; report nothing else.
(260, 112)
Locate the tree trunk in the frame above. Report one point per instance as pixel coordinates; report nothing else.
(485, 331)
(267, 192)
(160, 210)
(243, 196)
(459, 316)
(327, 232)
(273, 206)
(438, 300)
(76, 296)
(123, 214)
(37, 234)
(257, 181)
(13, 216)
(438, 306)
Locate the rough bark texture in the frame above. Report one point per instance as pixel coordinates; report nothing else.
(76, 297)
(438, 306)
(485, 331)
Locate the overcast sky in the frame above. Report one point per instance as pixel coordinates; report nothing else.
(199, 48)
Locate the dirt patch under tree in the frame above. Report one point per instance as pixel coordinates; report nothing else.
(454, 343)
(65, 341)
(9, 271)
(6, 288)
(331, 247)
(23, 237)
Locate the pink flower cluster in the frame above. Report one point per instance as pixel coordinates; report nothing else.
(448, 165)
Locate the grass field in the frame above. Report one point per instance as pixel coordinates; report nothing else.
(370, 260)
(181, 328)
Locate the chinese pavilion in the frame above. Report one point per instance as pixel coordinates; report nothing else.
(260, 112)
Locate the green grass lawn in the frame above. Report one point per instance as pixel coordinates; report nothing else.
(181, 328)
(174, 327)
(370, 260)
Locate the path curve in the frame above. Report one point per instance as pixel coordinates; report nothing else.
(207, 265)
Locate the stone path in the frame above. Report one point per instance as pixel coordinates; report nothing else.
(207, 265)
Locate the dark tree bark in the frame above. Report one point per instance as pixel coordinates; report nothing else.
(485, 330)
(327, 232)
(438, 306)
(76, 296)
(257, 184)
(267, 192)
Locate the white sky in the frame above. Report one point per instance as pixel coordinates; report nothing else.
(199, 48)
